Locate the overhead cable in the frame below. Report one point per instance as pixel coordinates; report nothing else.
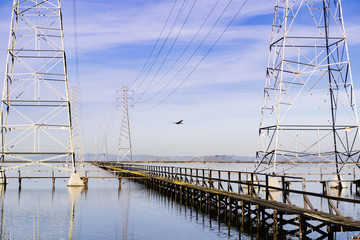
(182, 54)
(169, 51)
(157, 41)
(162, 46)
(202, 59)
(76, 45)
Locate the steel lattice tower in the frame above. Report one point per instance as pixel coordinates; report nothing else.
(102, 147)
(35, 107)
(124, 150)
(309, 113)
(76, 120)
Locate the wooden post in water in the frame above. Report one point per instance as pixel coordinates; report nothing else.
(275, 224)
(203, 177)
(251, 185)
(267, 187)
(283, 188)
(197, 177)
(19, 179)
(210, 179)
(191, 176)
(229, 211)
(219, 181)
(239, 187)
(200, 199)
(185, 175)
(357, 186)
(302, 227)
(330, 233)
(53, 178)
(242, 215)
(236, 203)
(229, 186)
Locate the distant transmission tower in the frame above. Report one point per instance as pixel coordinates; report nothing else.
(124, 150)
(102, 149)
(96, 150)
(35, 107)
(309, 113)
(77, 129)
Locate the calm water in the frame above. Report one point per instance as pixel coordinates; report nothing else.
(101, 212)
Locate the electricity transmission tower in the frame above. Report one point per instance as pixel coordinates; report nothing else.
(125, 99)
(309, 114)
(77, 130)
(35, 108)
(102, 148)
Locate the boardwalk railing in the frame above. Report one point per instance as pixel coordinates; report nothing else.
(286, 189)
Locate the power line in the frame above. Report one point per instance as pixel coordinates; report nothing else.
(153, 49)
(183, 52)
(202, 59)
(168, 53)
(198, 47)
(162, 46)
(77, 74)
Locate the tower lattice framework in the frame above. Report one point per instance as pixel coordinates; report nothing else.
(125, 150)
(35, 108)
(101, 142)
(309, 114)
(77, 128)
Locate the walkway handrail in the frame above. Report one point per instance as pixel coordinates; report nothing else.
(224, 180)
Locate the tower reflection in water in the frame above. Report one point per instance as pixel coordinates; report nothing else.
(74, 193)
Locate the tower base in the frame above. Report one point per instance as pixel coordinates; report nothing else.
(75, 181)
(338, 182)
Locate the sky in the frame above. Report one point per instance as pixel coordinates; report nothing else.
(219, 99)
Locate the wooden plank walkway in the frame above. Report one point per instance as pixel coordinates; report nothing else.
(279, 206)
(333, 222)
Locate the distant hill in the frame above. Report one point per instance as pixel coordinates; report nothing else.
(152, 158)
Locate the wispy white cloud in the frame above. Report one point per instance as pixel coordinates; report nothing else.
(221, 100)
(132, 25)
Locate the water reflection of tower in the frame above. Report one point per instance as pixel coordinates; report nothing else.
(124, 197)
(74, 193)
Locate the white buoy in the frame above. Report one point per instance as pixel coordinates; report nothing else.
(75, 181)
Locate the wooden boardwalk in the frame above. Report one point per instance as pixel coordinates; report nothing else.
(245, 205)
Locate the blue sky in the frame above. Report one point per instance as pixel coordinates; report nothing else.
(220, 102)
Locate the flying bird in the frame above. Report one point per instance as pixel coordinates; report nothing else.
(179, 122)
